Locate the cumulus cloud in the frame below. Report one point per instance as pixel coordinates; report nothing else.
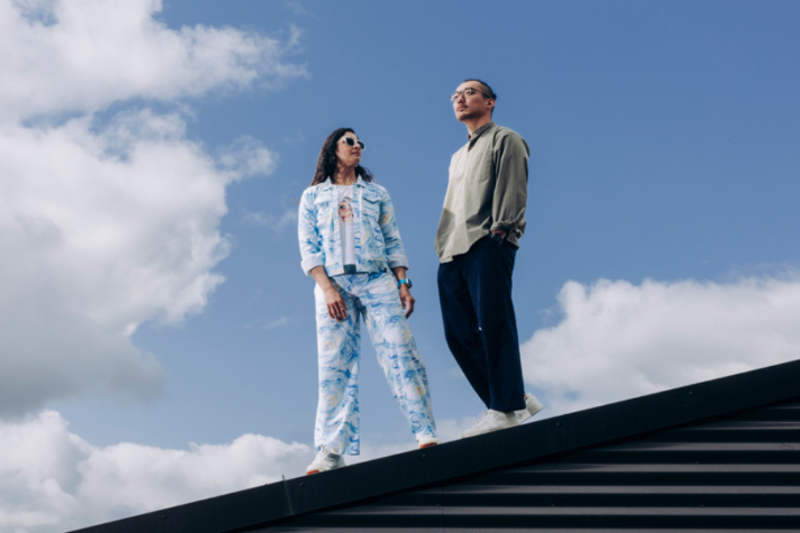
(52, 480)
(82, 55)
(246, 157)
(297, 8)
(267, 324)
(110, 221)
(277, 223)
(617, 340)
(106, 230)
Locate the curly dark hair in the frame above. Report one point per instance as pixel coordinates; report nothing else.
(327, 162)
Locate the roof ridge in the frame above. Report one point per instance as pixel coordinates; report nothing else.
(533, 441)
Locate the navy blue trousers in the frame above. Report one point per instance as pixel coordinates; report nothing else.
(479, 322)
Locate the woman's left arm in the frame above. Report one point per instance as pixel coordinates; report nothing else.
(405, 293)
(393, 244)
(395, 252)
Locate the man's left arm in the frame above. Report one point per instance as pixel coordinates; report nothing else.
(511, 185)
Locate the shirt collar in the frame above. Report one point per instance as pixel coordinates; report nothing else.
(477, 133)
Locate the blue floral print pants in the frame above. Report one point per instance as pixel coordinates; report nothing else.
(375, 297)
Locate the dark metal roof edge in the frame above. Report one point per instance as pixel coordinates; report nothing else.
(261, 506)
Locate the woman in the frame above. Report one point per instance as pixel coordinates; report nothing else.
(348, 242)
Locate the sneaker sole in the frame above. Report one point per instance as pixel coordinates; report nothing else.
(470, 435)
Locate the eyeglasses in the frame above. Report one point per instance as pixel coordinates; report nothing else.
(469, 91)
(349, 141)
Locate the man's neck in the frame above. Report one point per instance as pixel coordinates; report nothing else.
(476, 124)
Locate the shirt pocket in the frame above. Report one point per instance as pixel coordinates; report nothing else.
(481, 169)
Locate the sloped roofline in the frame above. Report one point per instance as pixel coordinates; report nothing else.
(261, 506)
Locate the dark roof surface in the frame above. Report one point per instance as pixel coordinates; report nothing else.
(736, 473)
(542, 443)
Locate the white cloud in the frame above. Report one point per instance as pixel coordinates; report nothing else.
(107, 230)
(82, 55)
(108, 223)
(617, 340)
(278, 224)
(277, 323)
(52, 480)
(246, 157)
(297, 8)
(267, 324)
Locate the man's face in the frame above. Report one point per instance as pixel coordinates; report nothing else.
(471, 107)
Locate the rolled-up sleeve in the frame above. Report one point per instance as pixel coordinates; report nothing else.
(395, 252)
(511, 186)
(311, 252)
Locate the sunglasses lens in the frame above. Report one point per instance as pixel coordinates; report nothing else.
(349, 141)
(352, 142)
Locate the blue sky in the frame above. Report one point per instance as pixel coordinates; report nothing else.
(661, 246)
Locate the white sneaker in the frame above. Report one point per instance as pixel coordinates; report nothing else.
(490, 421)
(532, 406)
(426, 439)
(324, 461)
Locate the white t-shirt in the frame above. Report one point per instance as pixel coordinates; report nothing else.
(345, 213)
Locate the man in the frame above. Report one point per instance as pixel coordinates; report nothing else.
(482, 220)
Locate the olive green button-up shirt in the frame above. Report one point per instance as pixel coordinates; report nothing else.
(488, 190)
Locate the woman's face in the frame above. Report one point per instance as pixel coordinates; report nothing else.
(349, 156)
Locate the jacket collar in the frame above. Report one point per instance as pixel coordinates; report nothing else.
(328, 183)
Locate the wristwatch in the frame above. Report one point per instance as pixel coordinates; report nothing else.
(405, 281)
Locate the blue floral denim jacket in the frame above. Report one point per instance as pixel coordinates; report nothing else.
(377, 238)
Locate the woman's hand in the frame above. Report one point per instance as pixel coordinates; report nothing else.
(337, 308)
(406, 299)
(405, 293)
